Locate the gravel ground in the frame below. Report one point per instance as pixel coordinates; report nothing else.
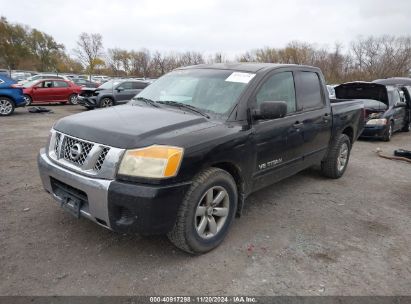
(303, 236)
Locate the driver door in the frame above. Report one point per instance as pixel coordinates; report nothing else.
(43, 91)
(278, 141)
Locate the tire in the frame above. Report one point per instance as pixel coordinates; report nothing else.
(200, 227)
(73, 99)
(106, 102)
(6, 106)
(406, 127)
(336, 161)
(388, 133)
(28, 99)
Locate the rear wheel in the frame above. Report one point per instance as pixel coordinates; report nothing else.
(106, 102)
(388, 133)
(73, 99)
(27, 99)
(206, 213)
(6, 106)
(335, 164)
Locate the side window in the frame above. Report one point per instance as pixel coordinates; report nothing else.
(310, 88)
(60, 84)
(139, 85)
(126, 85)
(279, 87)
(47, 84)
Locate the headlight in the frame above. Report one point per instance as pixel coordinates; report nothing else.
(377, 122)
(154, 161)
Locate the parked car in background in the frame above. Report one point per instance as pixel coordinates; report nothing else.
(183, 156)
(100, 79)
(85, 83)
(404, 84)
(44, 76)
(51, 90)
(113, 92)
(385, 110)
(20, 76)
(11, 95)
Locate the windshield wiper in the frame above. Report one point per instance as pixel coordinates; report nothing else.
(147, 101)
(183, 105)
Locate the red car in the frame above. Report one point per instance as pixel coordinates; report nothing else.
(51, 90)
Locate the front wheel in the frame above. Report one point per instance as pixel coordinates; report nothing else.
(6, 106)
(27, 99)
(206, 213)
(388, 133)
(335, 164)
(106, 102)
(73, 99)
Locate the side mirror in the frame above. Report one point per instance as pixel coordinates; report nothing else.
(400, 104)
(271, 110)
(119, 89)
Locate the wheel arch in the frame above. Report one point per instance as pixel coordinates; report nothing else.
(8, 97)
(235, 172)
(349, 131)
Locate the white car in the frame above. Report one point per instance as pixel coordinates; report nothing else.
(44, 76)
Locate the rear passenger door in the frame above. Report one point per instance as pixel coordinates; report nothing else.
(316, 115)
(61, 90)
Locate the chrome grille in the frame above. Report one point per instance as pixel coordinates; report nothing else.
(101, 158)
(71, 143)
(83, 156)
(57, 143)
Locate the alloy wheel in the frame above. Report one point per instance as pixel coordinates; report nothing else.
(342, 157)
(106, 102)
(6, 107)
(212, 212)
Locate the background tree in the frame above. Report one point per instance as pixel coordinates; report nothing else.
(89, 49)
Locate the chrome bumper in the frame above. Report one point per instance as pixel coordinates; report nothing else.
(96, 208)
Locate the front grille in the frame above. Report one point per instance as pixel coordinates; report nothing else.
(82, 147)
(86, 157)
(57, 143)
(101, 158)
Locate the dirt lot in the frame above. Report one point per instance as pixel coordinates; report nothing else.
(306, 235)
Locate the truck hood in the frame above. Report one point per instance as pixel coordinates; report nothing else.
(132, 126)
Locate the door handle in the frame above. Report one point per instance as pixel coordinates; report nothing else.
(326, 117)
(298, 125)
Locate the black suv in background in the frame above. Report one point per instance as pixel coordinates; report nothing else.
(113, 92)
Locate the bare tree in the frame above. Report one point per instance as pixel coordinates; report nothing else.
(89, 49)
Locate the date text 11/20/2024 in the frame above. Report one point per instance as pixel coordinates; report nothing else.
(207, 299)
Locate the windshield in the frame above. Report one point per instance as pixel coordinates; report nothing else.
(210, 90)
(109, 85)
(30, 83)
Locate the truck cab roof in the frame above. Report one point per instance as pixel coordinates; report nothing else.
(250, 67)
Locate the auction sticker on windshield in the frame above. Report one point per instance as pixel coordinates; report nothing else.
(240, 77)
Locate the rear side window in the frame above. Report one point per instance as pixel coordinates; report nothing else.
(310, 96)
(126, 85)
(60, 84)
(279, 87)
(139, 85)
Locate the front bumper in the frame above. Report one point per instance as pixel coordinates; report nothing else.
(116, 205)
(89, 102)
(374, 131)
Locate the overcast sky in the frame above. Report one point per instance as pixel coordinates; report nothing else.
(230, 26)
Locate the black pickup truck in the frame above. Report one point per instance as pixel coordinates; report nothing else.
(181, 158)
